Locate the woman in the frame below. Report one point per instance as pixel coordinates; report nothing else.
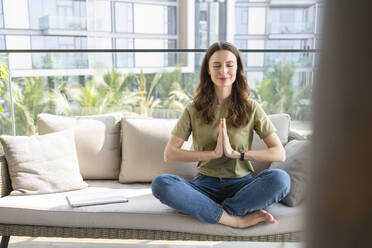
(221, 119)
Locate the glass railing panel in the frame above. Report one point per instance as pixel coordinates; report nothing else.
(60, 61)
(298, 59)
(150, 84)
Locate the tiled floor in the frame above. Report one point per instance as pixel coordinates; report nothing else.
(28, 242)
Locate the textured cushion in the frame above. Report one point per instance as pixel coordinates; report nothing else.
(297, 159)
(143, 144)
(42, 163)
(97, 141)
(143, 211)
(281, 122)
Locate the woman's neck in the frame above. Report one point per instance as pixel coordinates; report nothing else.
(222, 94)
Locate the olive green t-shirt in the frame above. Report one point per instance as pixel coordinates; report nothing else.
(205, 139)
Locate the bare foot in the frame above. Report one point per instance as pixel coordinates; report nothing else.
(254, 218)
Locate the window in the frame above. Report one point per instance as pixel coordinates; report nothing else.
(157, 59)
(172, 20)
(163, 19)
(100, 60)
(16, 14)
(1, 15)
(256, 20)
(171, 58)
(123, 17)
(58, 14)
(300, 59)
(124, 59)
(255, 59)
(290, 20)
(99, 14)
(59, 60)
(320, 17)
(241, 20)
(18, 60)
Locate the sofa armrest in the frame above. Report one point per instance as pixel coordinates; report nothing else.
(5, 187)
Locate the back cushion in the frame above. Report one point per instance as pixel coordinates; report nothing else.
(281, 122)
(143, 144)
(97, 141)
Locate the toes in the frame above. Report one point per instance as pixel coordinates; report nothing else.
(268, 217)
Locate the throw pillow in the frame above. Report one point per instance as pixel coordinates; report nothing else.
(143, 143)
(97, 141)
(42, 164)
(298, 153)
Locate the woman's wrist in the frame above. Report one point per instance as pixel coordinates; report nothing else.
(235, 154)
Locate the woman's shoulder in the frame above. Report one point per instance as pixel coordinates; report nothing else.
(190, 107)
(253, 103)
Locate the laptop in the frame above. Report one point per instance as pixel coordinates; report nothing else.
(95, 199)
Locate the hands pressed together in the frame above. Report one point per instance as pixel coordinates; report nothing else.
(223, 146)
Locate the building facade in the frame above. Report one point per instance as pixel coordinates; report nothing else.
(156, 24)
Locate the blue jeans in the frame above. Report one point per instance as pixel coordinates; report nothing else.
(206, 197)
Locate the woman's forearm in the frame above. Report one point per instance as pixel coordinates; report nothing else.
(273, 154)
(173, 154)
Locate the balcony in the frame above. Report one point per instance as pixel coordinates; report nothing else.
(80, 83)
(63, 22)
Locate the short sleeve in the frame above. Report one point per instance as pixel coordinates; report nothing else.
(262, 124)
(183, 126)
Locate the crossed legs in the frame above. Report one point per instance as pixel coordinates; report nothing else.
(243, 209)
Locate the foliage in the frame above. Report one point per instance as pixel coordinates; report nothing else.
(4, 76)
(30, 97)
(102, 94)
(277, 94)
(139, 94)
(146, 101)
(178, 99)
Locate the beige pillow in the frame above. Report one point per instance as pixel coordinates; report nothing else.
(281, 123)
(42, 163)
(143, 143)
(298, 153)
(97, 141)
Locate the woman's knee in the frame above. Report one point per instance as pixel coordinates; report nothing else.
(161, 183)
(281, 179)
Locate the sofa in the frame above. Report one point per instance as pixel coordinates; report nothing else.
(123, 154)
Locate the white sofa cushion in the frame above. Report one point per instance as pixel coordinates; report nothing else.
(97, 141)
(143, 211)
(42, 164)
(282, 124)
(143, 143)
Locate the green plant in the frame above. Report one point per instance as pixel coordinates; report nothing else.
(102, 94)
(277, 94)
(30, 97)
(4, 76)
(147, 102)
(177, 100)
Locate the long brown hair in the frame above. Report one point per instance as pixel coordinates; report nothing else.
(205, 99)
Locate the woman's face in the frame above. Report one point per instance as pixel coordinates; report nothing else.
(222, 68)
